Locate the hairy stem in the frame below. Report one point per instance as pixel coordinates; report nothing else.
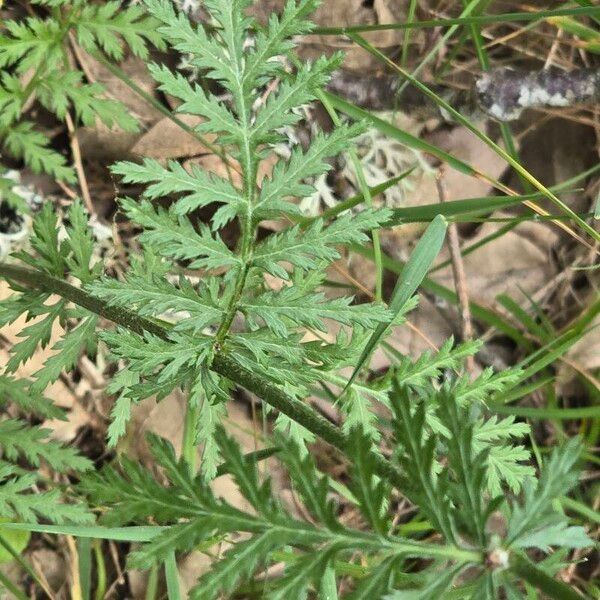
(222, 364)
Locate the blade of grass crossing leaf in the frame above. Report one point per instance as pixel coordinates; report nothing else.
(561, 414)
(356, 200)
(410, 17)
(522, 391)
(172, 578)
(484, 62)
(152, 586)
(100, 571)
(467, 208)
(582, 509)
(365, 191)
(140, 533)
(477, 310)
(442, 42)
(6, 583)
(484, 138)
(399, 135)
(586, 11)
(410, 278)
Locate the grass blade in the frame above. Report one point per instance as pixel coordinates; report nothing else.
(172, 578)
(399, 135)
(411, 277)
(587, 11)
(484, 138)
(140, 533)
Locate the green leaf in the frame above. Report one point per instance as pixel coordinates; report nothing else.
(37, 334)
(436, 586)
(175, 237)
(377, 582)
(108, 25)
(558, 476)
(172, 577)
(50, 256)
(24, 142)
(245, 474)
(306, 248)
(277, 111)
(19, 393)
(16, 503)
(312, 487)
(18, 439)
(368, 488)
(157, 297)
(200, 188)
(68, 350)
(527, 571)
(555, 535)
(17, 540)
(196, 102)
(81, 245)
(238, 563)
(30, 43)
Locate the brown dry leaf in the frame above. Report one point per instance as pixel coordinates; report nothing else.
(107, 144)
(516, 262)
(463, 144)
(167, 140)
(136, 70)
(586, 353)
(214, 164)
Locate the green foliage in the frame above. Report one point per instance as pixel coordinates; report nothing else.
(18, 439)
(244, 320)
(267, 321)
(445, 478)
(37, 47)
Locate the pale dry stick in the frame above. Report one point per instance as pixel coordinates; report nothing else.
(75, 581)
(120, 580)
(458, 273)
(76, 150)
(42, 580)
(66, 189)
(553, 49)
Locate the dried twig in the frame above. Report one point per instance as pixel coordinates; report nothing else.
(458, 272)
(85, 191)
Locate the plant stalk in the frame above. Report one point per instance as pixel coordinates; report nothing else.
(222, 364)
